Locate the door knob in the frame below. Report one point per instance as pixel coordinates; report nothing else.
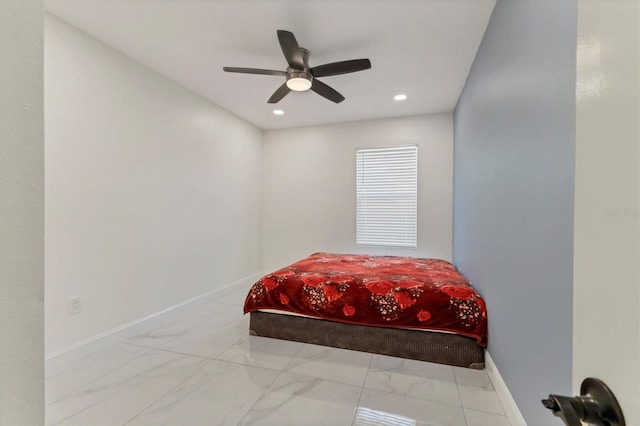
(596, 405)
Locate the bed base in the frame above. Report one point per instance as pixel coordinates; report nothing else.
(450, 349)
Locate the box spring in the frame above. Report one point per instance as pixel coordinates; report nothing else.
(442, 348)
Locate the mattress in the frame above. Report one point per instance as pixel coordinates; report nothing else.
(380, 291)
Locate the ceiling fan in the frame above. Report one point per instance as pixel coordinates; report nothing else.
(300, 76)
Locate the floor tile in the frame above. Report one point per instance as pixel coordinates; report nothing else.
(120, 395)
(167, 331)
(261, 352)
(65, 377)
(481, 399)
(300, 400)
(419, 379)
(383, 408)
(209, 339)
(177, 324)
(472, 378)
(221, 393)
(476, 391)
(368, 417)
(214, 308)
(340, 365)
(200, 366)
(480, 418)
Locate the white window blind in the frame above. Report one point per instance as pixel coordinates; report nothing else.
(387, 196)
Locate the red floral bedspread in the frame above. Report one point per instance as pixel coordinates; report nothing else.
(385, 291)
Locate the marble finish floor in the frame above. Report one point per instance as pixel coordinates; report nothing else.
(201, 368)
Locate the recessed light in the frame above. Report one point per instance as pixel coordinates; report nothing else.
(399, 97)
(278, 112)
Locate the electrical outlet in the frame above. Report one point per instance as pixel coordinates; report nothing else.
(74, 305)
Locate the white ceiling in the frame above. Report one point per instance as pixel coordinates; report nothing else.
(423, 48)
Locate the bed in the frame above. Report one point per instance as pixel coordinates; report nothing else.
(412, 308)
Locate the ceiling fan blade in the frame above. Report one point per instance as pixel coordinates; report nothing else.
(291, 49)
(279, 94)
(323, 90)
(343, 67)
(254, 71)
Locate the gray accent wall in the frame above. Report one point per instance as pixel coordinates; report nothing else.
(514, 152)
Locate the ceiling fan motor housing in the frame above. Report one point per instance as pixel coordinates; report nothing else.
(299, 80)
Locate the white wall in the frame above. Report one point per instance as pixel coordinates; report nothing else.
(308, 189)
(606, 287)
(21, 213)
(152, 192)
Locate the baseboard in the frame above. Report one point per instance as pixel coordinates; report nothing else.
(509, 405)
(138, 326)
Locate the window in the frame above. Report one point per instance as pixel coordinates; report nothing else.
(387, 196)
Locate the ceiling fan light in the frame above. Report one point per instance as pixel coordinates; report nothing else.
(299, 84)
